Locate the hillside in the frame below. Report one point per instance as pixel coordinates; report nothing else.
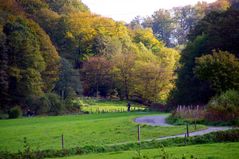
(60, 47)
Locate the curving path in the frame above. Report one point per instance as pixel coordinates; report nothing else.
(160, 120)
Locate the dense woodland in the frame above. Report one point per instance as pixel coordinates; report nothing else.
(54, 50)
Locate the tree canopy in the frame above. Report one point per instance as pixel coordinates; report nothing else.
(218, 30)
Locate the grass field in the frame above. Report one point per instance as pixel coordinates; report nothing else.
(105, 106)
(205, 151)
(79, 130)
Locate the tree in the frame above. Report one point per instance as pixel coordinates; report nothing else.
(50, 55)
(50, 22)
(29, 61)
(3, 72)
(151, 82)
(97, 76)
(185, 19)
(217, 30)
(123, 70)
(234, 4)
(221, 70)
(135, 23)
(32, 6)
(216, 25)
(146, 37)
(106, 45)
(69, 79)
(67, 6)
(220, 5)
(25, 59)
(189, 89)
(162, 25)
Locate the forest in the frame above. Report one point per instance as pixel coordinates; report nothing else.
(54, 51)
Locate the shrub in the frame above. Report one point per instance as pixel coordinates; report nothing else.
(224, 108)
(175, 120)
(56, 105)
(15, 112)
(72, 106)
(3, 116)
(38, 105)
(44, 106)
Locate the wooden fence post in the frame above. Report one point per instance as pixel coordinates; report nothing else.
(62, 141)
(187, 130)
(138, 133)
(139, 139)
(185, 139)
(195, 124)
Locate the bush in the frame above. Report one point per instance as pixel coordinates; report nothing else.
(56, 105)
(50, 104)
(224, 108)
(15, 112)
(38, 105)
(44, 105)
(3, 116)
(72, 106)
(175, 120)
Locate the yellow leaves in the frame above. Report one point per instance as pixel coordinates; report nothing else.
(48, 14)
(169, 57)
(148, 75)
(146, 37)
(14, 72)
(69, 35)
(87, 26)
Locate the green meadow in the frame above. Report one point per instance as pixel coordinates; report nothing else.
(79, 130)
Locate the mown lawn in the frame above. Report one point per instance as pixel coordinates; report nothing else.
(205, 151)
(78, 130)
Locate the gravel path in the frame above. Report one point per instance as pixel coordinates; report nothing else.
(160, 120)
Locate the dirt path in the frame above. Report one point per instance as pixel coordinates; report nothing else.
(160, 120)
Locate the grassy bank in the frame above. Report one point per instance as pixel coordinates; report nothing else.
(204, 151)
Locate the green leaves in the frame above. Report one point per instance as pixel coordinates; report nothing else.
(32, 61)
(221, 70)
(217, 30)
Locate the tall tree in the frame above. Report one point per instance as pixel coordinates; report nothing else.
(209, 34)
(25, 60)
(69, 80)
(3, 72)
(162, 25)
(123, 69)
(67, 6)
(97, 76)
